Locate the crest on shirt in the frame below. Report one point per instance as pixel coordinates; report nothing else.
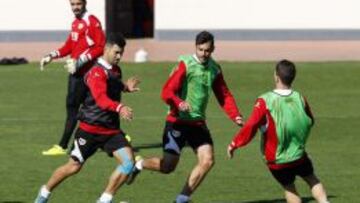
(80, 26)
(82, 141)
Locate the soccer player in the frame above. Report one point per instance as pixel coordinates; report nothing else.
(187, 92)
(99, 125)
(84, 44)
(284, 118)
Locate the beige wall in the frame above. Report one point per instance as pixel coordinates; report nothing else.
(42, 14)
(257, 14)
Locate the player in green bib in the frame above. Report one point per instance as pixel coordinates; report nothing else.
(284, 119)
(187, 93)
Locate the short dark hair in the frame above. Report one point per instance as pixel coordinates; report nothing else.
(204, 37)
(116, 38)
(286, 71)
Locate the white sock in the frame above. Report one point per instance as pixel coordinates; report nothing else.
(325, 202)
(139, 164)
(106, 197)
(182, 198)
(44, 192)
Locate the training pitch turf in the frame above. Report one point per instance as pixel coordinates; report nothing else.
(32, 111)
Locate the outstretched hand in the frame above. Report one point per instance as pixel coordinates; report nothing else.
(44, 61)
(239, 121)
(132, 84)
(126, 113)
(230, 151)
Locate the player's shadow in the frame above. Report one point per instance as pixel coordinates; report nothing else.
(304, 200)
(137, 148)
(12, 202)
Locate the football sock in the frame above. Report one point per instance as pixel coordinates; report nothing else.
(139, 164)
(182, 198)
(44, 192)
(105, 197)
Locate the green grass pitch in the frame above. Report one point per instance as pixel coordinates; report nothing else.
(32, 111)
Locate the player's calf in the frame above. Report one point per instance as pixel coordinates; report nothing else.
(135, 170)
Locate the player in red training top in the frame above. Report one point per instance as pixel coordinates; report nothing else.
(99, 126)
(187, 93)
(284, 118)
(84, 45)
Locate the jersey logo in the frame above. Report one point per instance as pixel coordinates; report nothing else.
(82, 141)
(80, 26)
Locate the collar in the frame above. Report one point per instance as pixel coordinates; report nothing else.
(104, 63)
(283, 92)
(196, 58)
(199, 62)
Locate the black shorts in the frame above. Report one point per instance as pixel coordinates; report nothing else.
(85, 144)
(175, 137)
(286, 176)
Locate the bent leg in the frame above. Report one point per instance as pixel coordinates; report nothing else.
(291, 195)
(205, 155)
(63, 172)
(125, 158)
(317, 189)
(165, 164)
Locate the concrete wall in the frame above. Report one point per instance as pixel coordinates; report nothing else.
(49, 20)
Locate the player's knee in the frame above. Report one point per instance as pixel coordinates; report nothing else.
(167, 168)
(207, 163)
(126, 167)
(127, 164)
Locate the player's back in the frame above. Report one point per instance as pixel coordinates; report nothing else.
(291, 122)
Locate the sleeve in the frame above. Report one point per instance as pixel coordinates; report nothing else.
(96, 81)
(66, 48)
(247, 133)
(224, 97)
(308, 111)
(98, 37)
(173, 85)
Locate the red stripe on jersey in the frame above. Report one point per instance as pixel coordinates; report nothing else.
(93, 129)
